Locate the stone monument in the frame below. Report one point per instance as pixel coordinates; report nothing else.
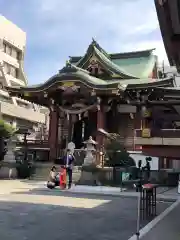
(8, 169)
(11, 145)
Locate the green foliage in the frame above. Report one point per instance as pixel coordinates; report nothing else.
(24, 169)
(117, 156)
(6, 129)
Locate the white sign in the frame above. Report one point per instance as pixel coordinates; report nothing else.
(154, 163)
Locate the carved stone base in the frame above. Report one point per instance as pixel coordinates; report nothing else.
(8, 172)
(87, 178)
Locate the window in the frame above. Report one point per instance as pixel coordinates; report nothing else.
(17, 73)
(11, 51)
(11, 70)
(14, 53)
(7, 68)
(18, 56)
(4, 47)
(8, 50)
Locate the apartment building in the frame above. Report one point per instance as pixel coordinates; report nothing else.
(15, 110)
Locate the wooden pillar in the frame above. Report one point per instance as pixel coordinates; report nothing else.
(70, 128)
(100, 124)
(53, 133)
(99, 138)
(137, 126)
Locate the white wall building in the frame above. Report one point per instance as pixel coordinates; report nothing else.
(12, 46)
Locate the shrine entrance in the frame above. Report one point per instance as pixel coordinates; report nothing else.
(77, 125)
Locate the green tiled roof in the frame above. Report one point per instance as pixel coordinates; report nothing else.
(140, 67)
(129, 65)
(113, 66)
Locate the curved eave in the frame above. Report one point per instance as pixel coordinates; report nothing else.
(78, 77)
(158, 83)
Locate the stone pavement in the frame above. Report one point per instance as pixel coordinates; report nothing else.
(162, 193)
(166, 229)
(28, 213)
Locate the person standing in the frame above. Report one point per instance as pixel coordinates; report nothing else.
(68, 162)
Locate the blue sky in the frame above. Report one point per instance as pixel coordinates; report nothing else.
(57, 29)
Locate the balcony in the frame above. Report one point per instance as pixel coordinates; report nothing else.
(21, 112)
(165, 137)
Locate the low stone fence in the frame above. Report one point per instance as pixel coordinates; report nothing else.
(8, 170)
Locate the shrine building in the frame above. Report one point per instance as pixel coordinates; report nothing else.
(168, 12)
(120, 92)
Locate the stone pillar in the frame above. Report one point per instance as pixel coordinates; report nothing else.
(53, 133)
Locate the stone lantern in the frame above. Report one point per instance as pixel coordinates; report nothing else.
(90, 149)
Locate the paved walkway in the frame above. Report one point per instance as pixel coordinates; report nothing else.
(28, 201)
(29, 213)
(162, 193)
(166, 229)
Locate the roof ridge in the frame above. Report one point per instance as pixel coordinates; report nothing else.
(96, 44)
(131, 54)
(121, 54)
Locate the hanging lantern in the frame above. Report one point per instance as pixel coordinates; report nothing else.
(45, 95)
(146, 132)
(93, 93)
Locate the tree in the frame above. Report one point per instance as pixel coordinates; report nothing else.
(117, 156)
(6, 131)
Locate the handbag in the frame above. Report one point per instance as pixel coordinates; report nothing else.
(50, 185)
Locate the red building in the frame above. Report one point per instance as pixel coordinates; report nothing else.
(118, 92)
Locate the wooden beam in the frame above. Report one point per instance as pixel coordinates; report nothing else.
(160, 103)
